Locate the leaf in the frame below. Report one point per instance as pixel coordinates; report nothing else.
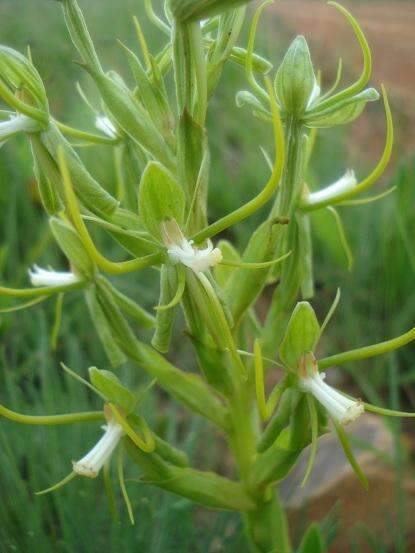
(344, 440)
(302, 332)
(111, 387)
(160, 199)
(313, 540)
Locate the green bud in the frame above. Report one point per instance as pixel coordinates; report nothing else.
(132, 117)
(88, 190)
(194, 10)
(79, 33)
(47, 192)
(301, 335)
(110, 386)
(295, 79)
(71, 245)
(19, 74)
(160, 199)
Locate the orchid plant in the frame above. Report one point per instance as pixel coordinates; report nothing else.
(160, 141)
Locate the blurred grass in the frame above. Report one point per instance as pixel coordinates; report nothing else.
(378, 301)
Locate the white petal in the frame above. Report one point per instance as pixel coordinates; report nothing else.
(94, 460)
(345, 183)
(340, 407)
(44, 277)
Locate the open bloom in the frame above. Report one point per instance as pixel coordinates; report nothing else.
(94, 460)
(341, 408)
(45, 277)
(16, 124)
(344, 184)
(181, 250)
(105, 125)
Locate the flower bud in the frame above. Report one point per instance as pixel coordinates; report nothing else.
(295, 82)
(19, 74)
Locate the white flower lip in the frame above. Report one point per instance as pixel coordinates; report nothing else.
(91, 464)
(181, 250)
(16, 124)
(45, 277)
(344, 184)
(341, 408)
(105, 125)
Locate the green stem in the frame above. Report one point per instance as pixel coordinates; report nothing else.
(266, 525)
(285, 207)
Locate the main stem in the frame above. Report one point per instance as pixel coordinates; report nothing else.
(266, 526)
(285, 207)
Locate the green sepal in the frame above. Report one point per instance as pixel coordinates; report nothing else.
(70, 243)
(313, 540)
(112, 388)
(343, 112)
(295, 79)
(160, 199)
(165, 317)
(300, 336)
